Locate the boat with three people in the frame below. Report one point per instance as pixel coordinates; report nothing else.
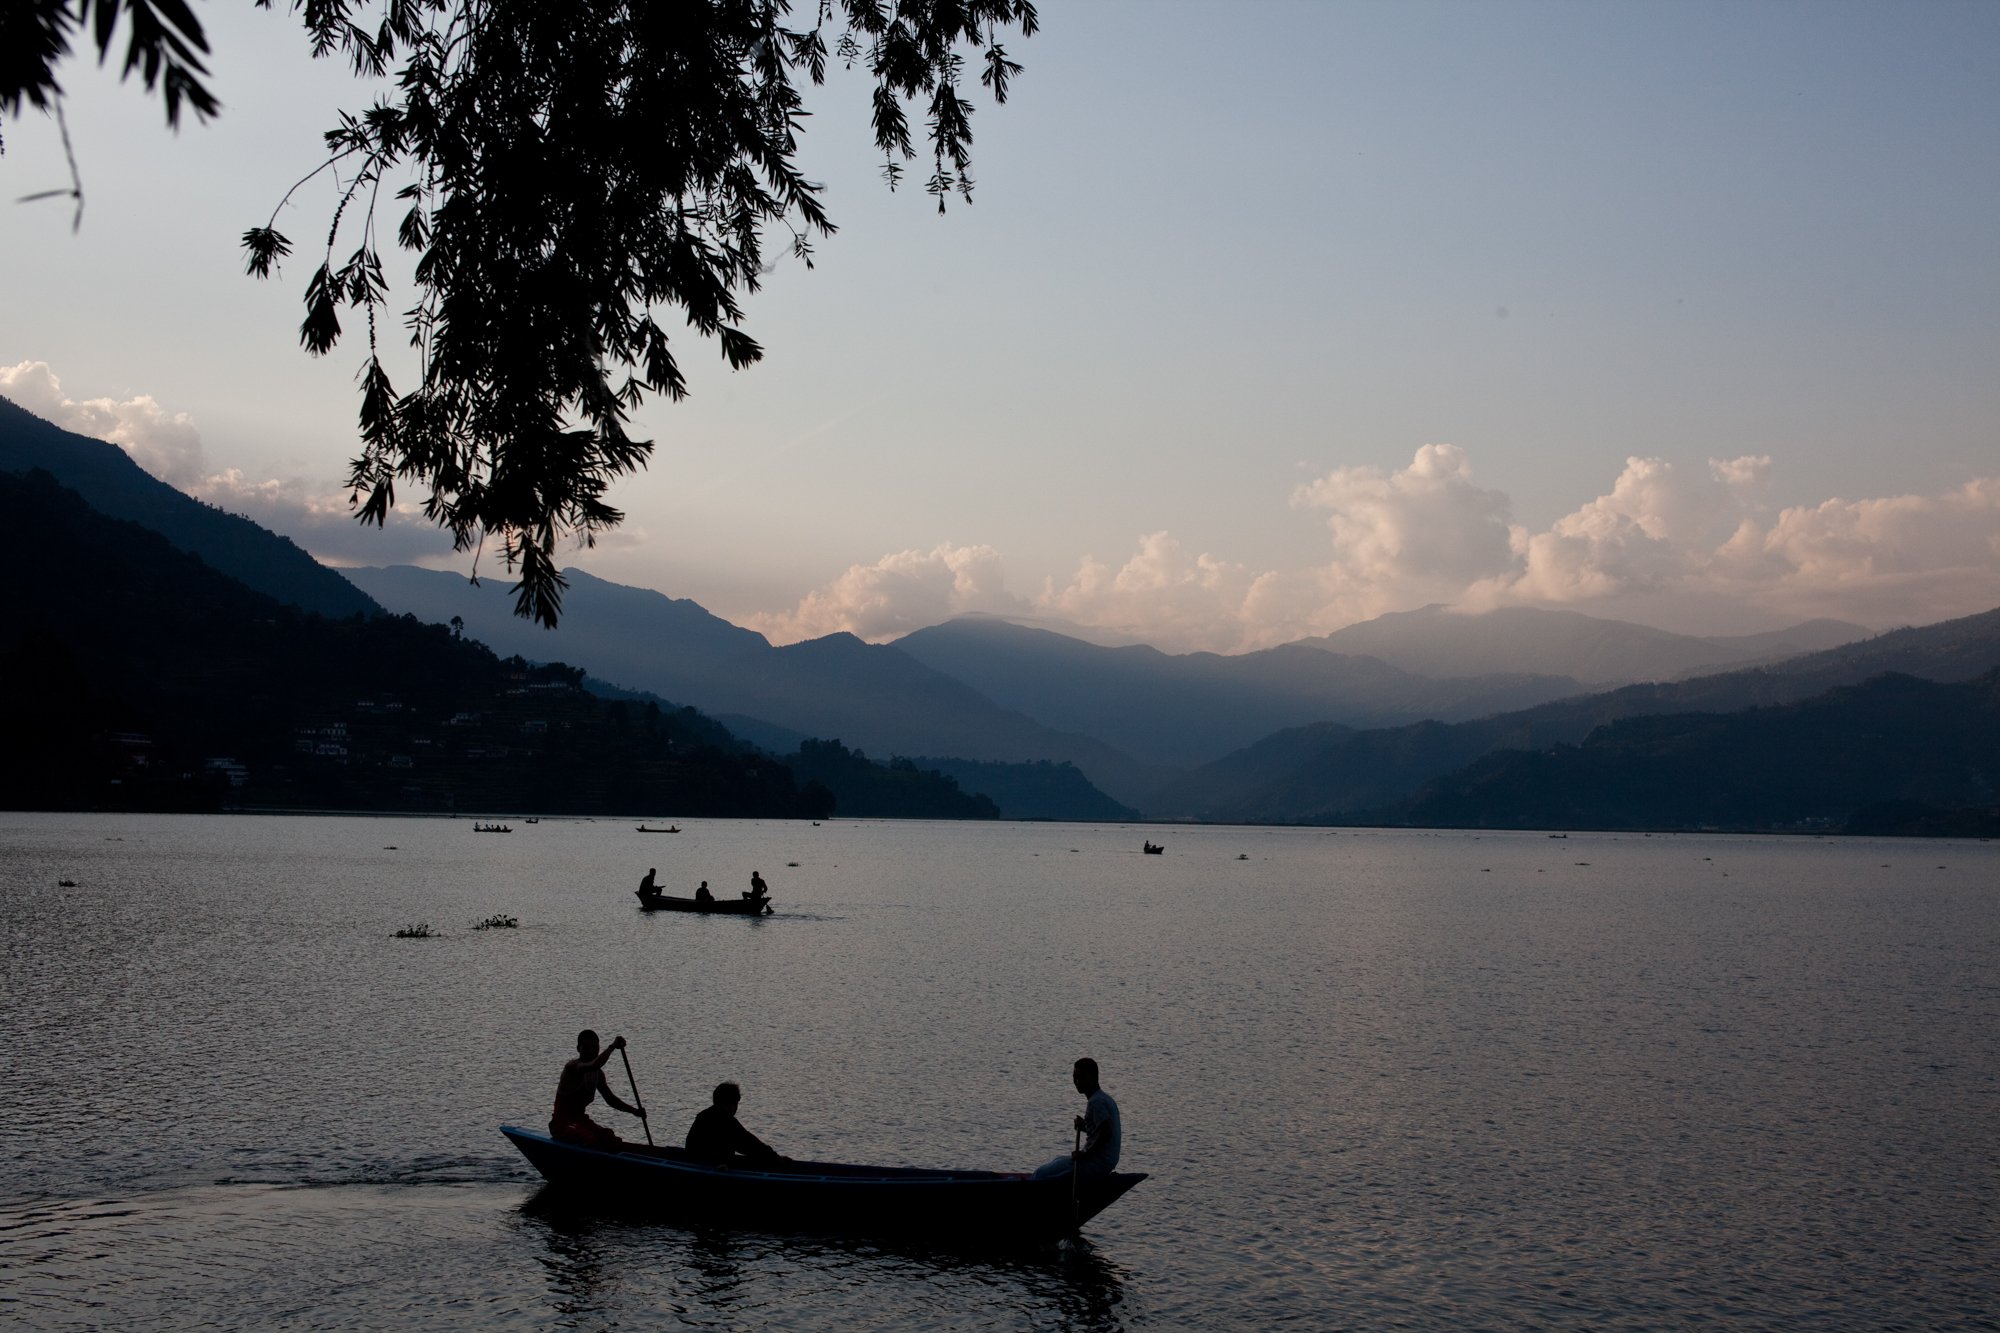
(939, 1206)
(662, 902)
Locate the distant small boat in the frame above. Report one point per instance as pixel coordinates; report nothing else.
(964, 1207)
(531, 820)
(1153, 848)
(660, 902)
(671, 828)
(492, 828)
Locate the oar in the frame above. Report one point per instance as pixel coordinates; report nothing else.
(637, 1100)
(1075, 1170)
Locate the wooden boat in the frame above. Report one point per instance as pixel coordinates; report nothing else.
(672, 828)
(1153, 849)
(660, 902)
(492, 828)
(982, 1207)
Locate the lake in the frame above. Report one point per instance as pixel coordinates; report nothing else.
(1379, 1078)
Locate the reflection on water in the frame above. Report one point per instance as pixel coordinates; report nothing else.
(606, 1269)
(1376, 1078)
(381, 1256)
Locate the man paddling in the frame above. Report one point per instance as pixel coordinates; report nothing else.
(1100, 1126)
(583, 1079)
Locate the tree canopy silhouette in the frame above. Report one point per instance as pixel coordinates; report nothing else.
(571, 178)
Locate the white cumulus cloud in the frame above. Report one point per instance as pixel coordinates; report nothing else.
(165, 444)
(1161, 594)
(903, 591)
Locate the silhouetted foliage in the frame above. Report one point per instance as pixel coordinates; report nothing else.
(569, 174)
(164, 42)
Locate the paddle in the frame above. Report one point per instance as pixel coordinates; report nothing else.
(1075, 1170)
(637, 1100)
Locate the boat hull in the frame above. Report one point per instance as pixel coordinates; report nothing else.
(957, 1207)
(660, 902)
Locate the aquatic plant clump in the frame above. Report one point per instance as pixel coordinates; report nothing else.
(497, 922)
(420, 931)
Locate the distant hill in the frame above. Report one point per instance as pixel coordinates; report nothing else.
(1186, 709)
(113, 485)
(131, 665)
(1034, 791)
(1437, 641)
(1330, 773)
(870, 697)
(1894, 741)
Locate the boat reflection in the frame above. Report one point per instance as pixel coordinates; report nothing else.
(606, 1271)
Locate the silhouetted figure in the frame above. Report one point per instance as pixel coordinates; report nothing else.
(716, 1136)
(647, 888)
(583, 1079)
(1154, 848)
(1099, 1125)
(702, 895)
(758, 888)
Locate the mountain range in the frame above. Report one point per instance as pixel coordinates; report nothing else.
(1330, 773)
(115, 486)
(1413, 717)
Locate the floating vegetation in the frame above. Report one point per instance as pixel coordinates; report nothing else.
(1243, 856)
(420, 931)
(65, 883)
(497, 921)
(793, 864)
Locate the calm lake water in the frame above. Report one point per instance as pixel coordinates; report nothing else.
(1380, 1078)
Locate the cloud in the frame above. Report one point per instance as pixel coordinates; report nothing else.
(904, 591)
(166, 445)
(316, 515)
(1688, 544)
(1905, 559)
(320, 519)
(1656, 526)
(1160, 595)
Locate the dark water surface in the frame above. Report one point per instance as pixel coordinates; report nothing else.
(1380, 1079)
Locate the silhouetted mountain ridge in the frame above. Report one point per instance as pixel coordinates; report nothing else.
(1440, 642)
(868, 696)
(1816, 764)
(1186, 709)
(1332, 774)
(113, 485)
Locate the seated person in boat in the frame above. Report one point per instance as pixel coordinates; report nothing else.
(583, 1079)
(647, 886)
(702, 895)
(716, 1135)
(758, 888)
(1098, 1157)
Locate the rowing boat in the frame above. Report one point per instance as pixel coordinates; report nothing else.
(660, 902)
(987, 1207)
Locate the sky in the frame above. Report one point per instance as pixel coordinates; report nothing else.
(1265, 318)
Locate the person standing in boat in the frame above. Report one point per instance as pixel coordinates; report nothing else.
(758, 888)
(717, 1136)
(582, 1080)
(1099, 1124)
